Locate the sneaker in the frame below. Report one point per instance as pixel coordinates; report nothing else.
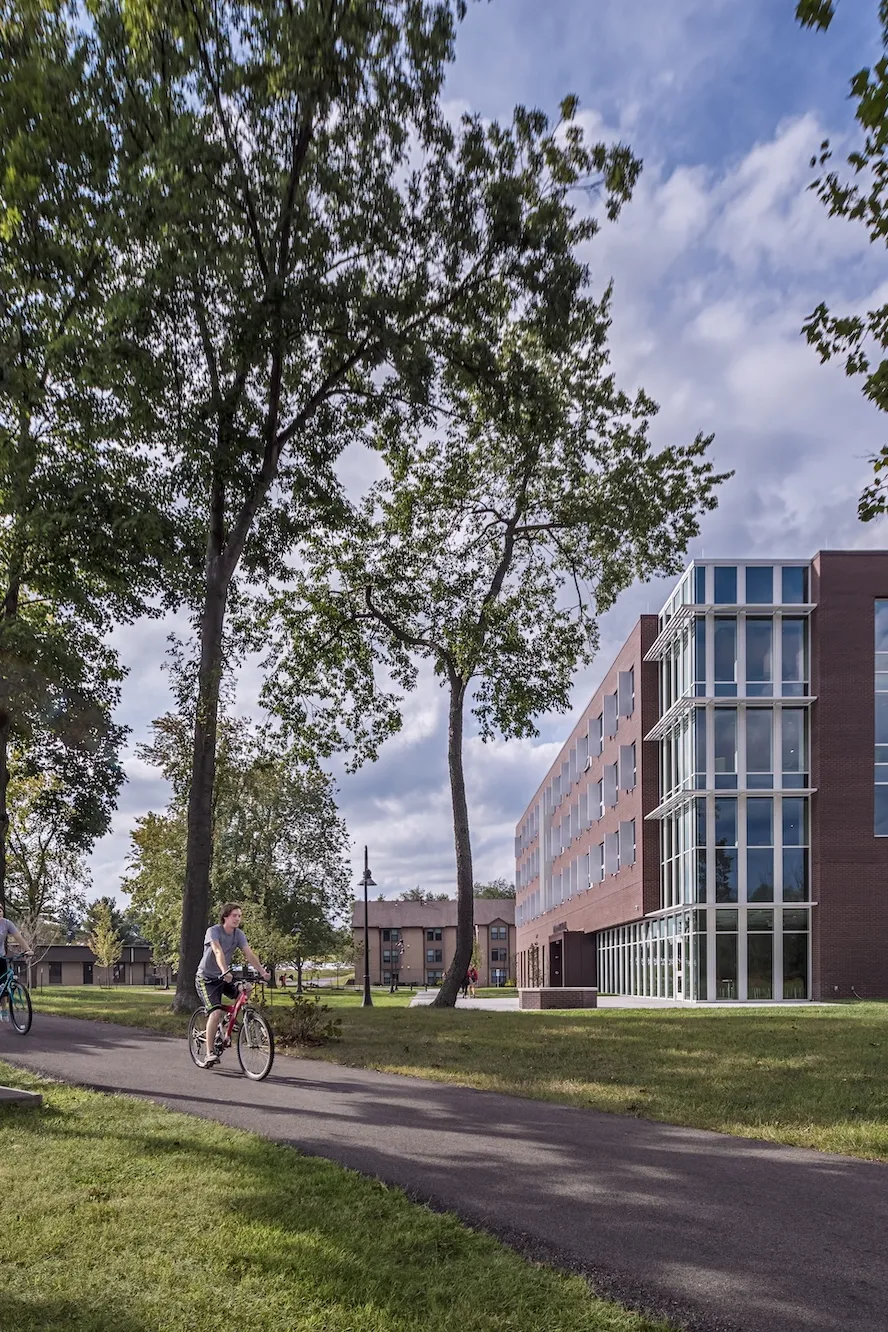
(210, 1060)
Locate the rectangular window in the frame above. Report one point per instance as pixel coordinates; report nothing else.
(759, 645)
(760, 874)
(55, 973)
(760, 955)
(726, 850)
(432, 936)
(795, 874)
(759, 757)
(434, 955)
(611, 853)
(700, 658)
(626, 693)
(610, 785)
(610, 714)
(725, 586)
(759, 586)
(794, 748)
(725, 654)
(726, 954)
(498, 955)
(795, 585)
(386, 955)
(598, 863)
(627, 842)
(498, 931)
(759, 821)
(795, 955)
(391, 936)
(596, 735)
(627, 767)
(795, 659)
(725, 724)
(700, 584)
(700, 748)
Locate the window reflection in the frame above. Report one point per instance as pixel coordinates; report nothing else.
(794, 658)
(725, 586)
(759, 585)
(795, 585)
(759, 768)
(725, 653)
(759, 644)
(725, 726)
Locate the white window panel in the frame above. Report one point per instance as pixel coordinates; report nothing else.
(573, 765)
(596, 736)
(626, 693)
(611, 853)
(627, 767)
(627, 842)
(598, 863)
(610, 785)
(610, 714)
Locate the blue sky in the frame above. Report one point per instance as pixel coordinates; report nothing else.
(716, 262)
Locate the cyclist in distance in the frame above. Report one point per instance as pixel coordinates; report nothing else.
(8, 930)
(214, 978)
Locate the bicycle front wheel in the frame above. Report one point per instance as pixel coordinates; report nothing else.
(255, 1045)
(20, 1009)
(197, 1036)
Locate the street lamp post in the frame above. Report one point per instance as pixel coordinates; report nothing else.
(366, 879)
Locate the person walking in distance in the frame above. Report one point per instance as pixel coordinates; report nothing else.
(473, 981)
(466, 981)
(214, 978)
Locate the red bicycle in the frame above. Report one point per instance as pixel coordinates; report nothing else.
(240, 1024)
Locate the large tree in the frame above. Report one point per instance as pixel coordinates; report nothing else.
(860, 339)
(313, 244)
(279, 844)
(80, 537)
(492, 546)
(47, 872)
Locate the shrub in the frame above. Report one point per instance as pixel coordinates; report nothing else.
(304, 1021)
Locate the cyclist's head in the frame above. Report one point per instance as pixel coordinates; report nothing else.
(229, 910)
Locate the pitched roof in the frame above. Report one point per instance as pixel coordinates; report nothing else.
(404, 915)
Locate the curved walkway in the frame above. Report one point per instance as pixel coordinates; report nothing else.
(719, 1233)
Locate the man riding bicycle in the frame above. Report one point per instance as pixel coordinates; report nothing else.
(214, 978)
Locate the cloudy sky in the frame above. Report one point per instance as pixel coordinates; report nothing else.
(716, 263)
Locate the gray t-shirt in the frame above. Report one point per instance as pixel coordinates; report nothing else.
(6, 927)
(227, 942)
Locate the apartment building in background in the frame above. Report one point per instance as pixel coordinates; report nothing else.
(418, 940)
(716, 825)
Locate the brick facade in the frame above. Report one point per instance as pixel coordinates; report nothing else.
(849, 863)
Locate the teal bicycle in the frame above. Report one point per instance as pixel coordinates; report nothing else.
(15, 998)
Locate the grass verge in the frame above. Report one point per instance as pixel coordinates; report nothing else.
(812, 1077)
(125, 1217)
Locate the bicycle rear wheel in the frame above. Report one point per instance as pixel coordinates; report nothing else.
(20, 1008)
(255, 1045)
(197, 1036)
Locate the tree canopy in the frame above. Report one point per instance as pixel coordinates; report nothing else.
(861, 340)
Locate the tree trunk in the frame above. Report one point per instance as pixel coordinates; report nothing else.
(5, 722)
(298, 976)
(465, 902)
(10, 611)
(199, 850)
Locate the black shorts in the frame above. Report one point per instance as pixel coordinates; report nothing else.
(212, 988)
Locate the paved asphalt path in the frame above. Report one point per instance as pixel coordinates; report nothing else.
(715, 1232)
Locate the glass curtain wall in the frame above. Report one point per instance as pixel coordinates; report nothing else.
(734, 787)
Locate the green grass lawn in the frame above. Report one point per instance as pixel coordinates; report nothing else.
(814, 1077)
(124, 1217)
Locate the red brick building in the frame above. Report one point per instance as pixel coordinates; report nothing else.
(716, 825)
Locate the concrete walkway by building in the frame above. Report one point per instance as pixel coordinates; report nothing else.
(718, 1233)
